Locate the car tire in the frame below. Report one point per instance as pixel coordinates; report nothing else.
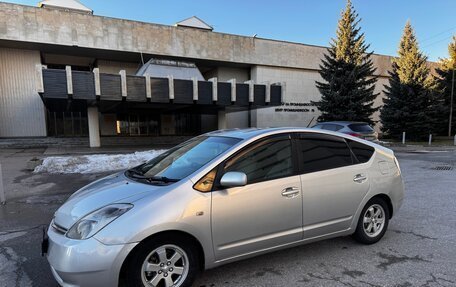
(153, 252)
(373, 221)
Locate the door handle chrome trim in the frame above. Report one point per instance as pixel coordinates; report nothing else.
(359, 178)
(290, 192)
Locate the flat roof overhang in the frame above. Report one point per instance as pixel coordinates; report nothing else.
(64, 89)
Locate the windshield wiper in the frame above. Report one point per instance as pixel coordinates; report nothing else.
(134, 172)
(137, 174)
(161, 178)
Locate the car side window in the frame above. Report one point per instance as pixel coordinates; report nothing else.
(322, 152)
(362, 152)
(266, 160)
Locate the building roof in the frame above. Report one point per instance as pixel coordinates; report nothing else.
(194, 22)
(65, 4)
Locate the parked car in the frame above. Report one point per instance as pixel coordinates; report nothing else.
(222, 197)
(356, 129)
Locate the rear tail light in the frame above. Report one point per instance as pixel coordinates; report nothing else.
(354, 135)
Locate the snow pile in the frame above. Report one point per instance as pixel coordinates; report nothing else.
(95, 163)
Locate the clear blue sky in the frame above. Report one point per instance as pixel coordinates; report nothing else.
(310, 22)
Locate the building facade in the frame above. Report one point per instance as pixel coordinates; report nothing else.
(34, 39)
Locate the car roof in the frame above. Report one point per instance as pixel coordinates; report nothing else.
(341, 123)
(245, 133)
(249, 133)
(254, 133)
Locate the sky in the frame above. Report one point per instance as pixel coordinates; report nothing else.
(310, 22)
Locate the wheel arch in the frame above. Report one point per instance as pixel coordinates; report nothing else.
(167, 233)
(388, 201)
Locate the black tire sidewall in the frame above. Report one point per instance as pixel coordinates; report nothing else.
(133, 276)
(360, 234)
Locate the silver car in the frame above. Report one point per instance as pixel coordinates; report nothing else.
(357, 129)
(222, 197)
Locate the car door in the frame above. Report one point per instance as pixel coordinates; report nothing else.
(267, 212)
(333, 184)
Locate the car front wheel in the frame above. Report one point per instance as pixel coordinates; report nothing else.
(373, 222)
(162, 262)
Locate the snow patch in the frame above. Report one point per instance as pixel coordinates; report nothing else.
(95, 163)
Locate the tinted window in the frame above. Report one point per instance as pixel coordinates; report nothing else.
(361, 128)
(266, 160)
(362, 152)
(322, 152)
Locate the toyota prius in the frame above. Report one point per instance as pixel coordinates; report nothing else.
(222, 197)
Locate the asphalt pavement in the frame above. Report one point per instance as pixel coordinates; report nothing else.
(419, 249)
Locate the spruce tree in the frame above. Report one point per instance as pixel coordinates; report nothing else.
(408, 106)
(444, 79)
(347, 92)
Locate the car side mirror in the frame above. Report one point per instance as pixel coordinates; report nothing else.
(233, 179)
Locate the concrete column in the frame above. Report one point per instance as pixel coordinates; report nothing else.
(123, 82)
(214, 88)
(251, 90)
(268, 92)
(69, 78)
(221, 117)
(195, 88)
(233, 89)
(94, 127)
(39, 78)
(171, 87)
(96, 76)
(148, 88)
(284, 90)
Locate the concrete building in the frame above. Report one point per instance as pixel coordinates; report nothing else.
(47, 52)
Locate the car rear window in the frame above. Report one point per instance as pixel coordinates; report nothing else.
(361, 128)
(362, 152)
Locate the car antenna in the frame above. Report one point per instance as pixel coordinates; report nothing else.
(310, 121)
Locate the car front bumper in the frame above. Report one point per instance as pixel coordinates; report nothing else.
(85, 263)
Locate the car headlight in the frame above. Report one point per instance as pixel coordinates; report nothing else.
(93, 222)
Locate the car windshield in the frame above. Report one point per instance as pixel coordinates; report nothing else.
(361, 128)
(182, 160)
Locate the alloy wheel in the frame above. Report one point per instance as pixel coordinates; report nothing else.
(374, 220)
(165, 266)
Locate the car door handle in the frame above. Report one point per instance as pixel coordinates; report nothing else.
(359, 178)
(290, 192)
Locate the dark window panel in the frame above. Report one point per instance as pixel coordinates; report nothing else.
(242, 94)
(159, 90)
(323, 152)
(204, 93)
(110, 87)
(223, 94)
(264, 161)
(55, 84)
(183, 92)
(259, 92)
(136, 89)
(276, 95)
(83, 85)
(362, 152)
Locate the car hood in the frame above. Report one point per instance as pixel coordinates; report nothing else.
(116, 188)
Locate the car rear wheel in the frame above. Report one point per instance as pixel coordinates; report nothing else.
(373, 222)
(162, 262)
